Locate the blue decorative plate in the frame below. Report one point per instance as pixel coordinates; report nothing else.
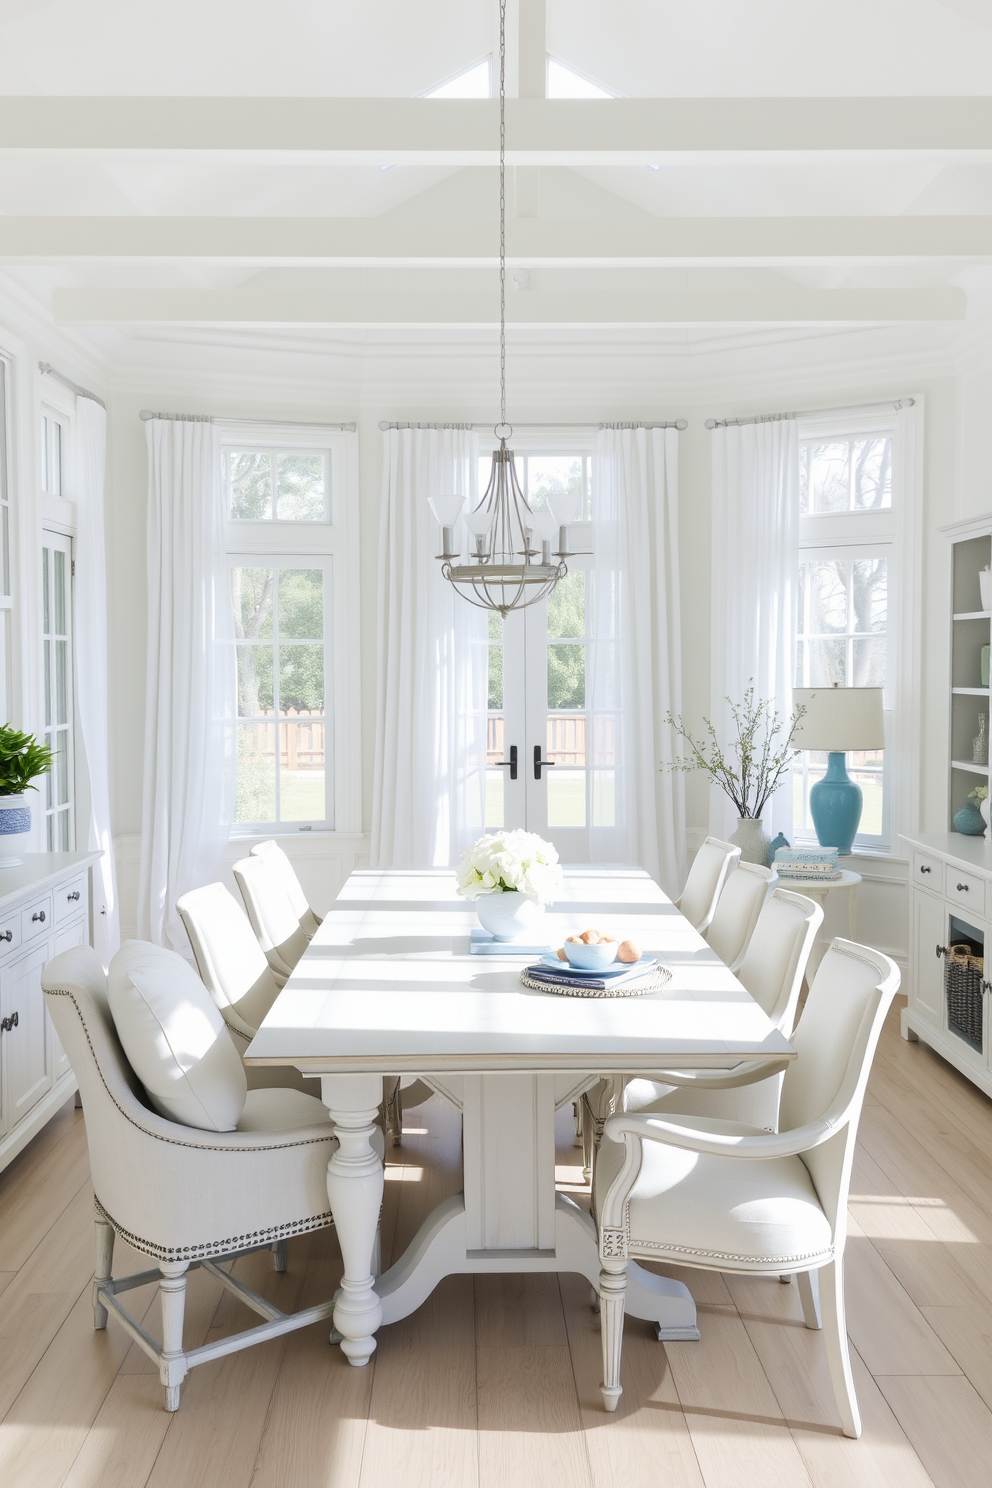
(615, 968)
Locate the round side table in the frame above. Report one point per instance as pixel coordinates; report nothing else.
(818, 890)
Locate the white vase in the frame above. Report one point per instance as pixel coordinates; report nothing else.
(509, 916)
(752, 840)
(15, 829)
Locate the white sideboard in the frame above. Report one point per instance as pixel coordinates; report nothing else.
(44, 909)
(950, 892)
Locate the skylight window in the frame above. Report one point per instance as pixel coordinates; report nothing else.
(475, 83)
(564, 83)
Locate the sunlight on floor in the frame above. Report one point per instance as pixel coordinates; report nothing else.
(399, 1173)
(893, 1217)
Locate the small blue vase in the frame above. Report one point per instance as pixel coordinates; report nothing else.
(969, 821)
(835, 806)
(780, 841)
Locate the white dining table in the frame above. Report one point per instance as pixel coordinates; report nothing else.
(388, 986)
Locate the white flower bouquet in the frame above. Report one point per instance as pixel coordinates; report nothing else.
(510, 862)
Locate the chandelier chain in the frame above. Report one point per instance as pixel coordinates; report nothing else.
(502, 213)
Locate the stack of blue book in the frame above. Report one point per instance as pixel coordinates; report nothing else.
(615, 975)
(812, 864)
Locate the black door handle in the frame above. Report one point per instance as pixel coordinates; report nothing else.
(540, 763)
(511, 762)
(39, 914)
(6, 1024)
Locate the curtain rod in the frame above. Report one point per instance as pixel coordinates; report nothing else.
(50, 371)
(661, 424)
(209, 418)
(774, 418)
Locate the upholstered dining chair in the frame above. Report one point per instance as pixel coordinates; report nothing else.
(772, 970)
(705, 882)
(274, 921)
(726, 1196)
(277, 860)
(737, 910)
(248, 1173)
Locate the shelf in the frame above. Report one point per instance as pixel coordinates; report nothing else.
(971, 691)
(973, 615)
(967, 765)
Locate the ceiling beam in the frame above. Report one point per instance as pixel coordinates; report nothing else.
(778, 300)
(645, 241)
(539, 131)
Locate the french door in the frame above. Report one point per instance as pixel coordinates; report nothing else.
(59, 784)
(542, 773)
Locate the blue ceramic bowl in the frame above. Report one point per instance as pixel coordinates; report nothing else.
(591, 957)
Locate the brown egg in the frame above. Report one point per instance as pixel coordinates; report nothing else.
(629, 951)
(561, 954)
(573, 939)
(591, 937)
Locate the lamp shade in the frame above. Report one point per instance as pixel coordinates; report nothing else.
(446, 509)
(839, 719)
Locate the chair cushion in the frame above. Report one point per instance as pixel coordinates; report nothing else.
(175, 1038)
(734, 1214)
(281, 1109)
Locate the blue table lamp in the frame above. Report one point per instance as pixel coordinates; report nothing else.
(838, 720)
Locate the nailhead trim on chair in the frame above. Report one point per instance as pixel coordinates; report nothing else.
(217, 1247)
(175, 1142)
(820, 1257)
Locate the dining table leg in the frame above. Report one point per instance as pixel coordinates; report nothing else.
(354, 1189)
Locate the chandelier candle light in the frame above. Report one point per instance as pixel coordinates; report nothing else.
(510, 565)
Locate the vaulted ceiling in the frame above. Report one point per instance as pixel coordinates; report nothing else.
(247, 164)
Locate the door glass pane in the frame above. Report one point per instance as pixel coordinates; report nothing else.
(566, 676)
(45, 599)
(301, 603)
(63, 831)
(48, 682)
(59, 592)
(62, 766)
(549, 476)
(301, 747)
(567, 608)
(256, 792)
(249, 479)
(566, 798)
(300, 488)
(61, 681)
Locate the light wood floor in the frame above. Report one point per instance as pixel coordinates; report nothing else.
(495, 1380)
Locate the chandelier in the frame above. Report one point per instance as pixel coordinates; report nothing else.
(510, 563)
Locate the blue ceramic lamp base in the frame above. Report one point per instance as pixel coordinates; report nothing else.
(835, 805)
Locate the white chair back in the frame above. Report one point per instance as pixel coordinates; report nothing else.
(229, 958)
(775, 961)
(277, 860)
(835, 1043)
(271, 915)
(737, 911)
(707, 877)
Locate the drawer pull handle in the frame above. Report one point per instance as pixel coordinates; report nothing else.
(7, 935)
(39, 914)
(962, 888)
(924, 868)
(6, 1024)
(940, 951)
(73, 895)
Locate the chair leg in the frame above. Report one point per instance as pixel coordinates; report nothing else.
(835, 1343)
(172, 1367)
(809, 1296)
(280, 1251)
(104, 1267)
(612, 1286)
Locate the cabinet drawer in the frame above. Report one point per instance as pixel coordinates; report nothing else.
(927, 872)
(10, 935)
(965, 890)
(36, 918)
(70, 898)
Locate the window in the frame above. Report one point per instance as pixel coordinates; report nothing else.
(52, 441)
(290, 508)
(56, 609)
(848, 530)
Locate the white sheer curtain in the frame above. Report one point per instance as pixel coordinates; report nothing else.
(433, 656)
(755, 546)
(637, 810)
(189, 776)
(90, 605)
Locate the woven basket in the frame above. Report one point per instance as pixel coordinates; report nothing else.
(964, 992)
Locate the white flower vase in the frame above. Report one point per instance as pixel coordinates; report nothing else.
(15, 829)
(509, 915)
(752, 840)
(985, 807)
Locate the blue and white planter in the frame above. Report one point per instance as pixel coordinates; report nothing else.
(15, 829)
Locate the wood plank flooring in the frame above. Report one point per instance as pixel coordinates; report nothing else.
(494, 1383)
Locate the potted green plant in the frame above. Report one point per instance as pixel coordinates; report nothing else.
(752, 767)
(22, 760)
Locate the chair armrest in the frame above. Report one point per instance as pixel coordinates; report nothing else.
(631, 1127)
(719, 1079)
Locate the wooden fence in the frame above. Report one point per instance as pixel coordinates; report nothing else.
(301, 740)
(566, 740)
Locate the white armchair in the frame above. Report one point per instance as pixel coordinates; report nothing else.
(182, 1195)
(705, 882)
(725, 1196)
(772, 970)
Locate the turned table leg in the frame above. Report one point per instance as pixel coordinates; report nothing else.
(354, 1188)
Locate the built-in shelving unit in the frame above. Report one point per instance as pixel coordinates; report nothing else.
(971, 629)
